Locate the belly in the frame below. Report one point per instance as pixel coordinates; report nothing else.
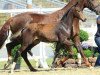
(50, 36)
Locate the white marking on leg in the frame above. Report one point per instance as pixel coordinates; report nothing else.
(8, 62)
(9, 58)
(79, 59)
(12, 67)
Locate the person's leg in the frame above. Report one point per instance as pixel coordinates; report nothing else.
(97, 41)
(98, 20)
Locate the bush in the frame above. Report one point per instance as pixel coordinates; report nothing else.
(88, 53)
(14, 52)
(83, 35)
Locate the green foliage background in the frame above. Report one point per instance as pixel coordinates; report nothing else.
(14, 52)
(83, 35)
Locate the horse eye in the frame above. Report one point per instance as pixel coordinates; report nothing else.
(78, 11)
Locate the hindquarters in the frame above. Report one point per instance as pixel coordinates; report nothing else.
(4, 32)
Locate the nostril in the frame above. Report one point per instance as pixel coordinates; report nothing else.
(84, 20)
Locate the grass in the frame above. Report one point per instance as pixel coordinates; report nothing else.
(44, 3)
(63, 71)
(3, 18)
(67, 71)
(23, 64)
(2, 64)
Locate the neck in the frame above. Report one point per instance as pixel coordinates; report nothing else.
(69, 5)
(68, 19)
(87, 4)
(81, 4)
(61, 12)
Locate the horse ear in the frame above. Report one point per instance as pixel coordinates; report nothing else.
(78, 1)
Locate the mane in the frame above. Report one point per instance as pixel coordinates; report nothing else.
(89, 4)
(91, 7)
(66, 13)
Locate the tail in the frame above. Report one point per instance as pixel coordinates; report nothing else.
(4, 32)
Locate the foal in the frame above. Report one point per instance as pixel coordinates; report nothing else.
(35, 32)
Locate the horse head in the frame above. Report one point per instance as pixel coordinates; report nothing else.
(79, 14)
(93, 5)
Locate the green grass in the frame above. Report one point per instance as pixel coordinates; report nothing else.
(3, 18)
(23, 64)
(2, 64)
(44, 3)
(49, 61)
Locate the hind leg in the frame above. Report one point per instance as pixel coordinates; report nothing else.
(58, 47)
(9, 47)
(66, 42)
(62, 42)
(24, 55)
(26, 41)
(18, 53)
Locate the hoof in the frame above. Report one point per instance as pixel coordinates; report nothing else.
(91, 67)
(53, 66)
(79, 65)
(33, 70)
(6, 66)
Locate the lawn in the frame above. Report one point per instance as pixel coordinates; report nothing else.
(23, 64)
(41, 71)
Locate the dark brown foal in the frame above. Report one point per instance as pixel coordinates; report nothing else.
(50, 32)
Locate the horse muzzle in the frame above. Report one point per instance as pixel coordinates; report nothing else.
(84, 20)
